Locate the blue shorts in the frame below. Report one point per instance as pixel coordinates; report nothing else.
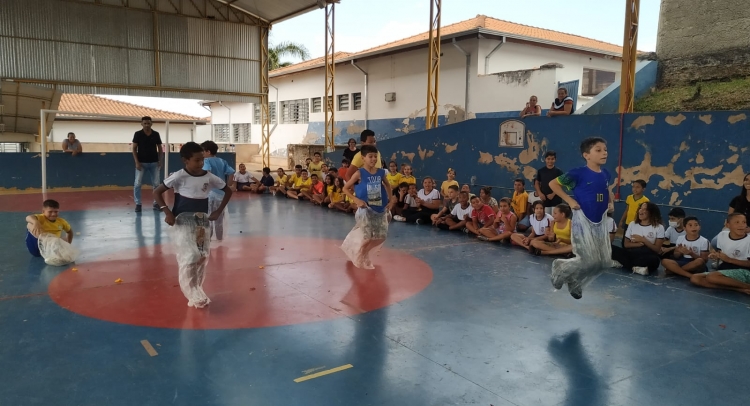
(32, 243)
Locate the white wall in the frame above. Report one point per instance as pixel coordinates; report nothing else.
(120, 132)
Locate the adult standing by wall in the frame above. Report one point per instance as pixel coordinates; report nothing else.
(543, 177)
(351, 149)
(368, 138)
(563, 104)
(148, 155)
(71, 145)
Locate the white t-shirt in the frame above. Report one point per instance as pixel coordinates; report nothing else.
(673, 235)
(461, 213)
(611, 225)
(429, 197)
(540, 226)
(410, 201)
(191, 192)
(736, 249)
(696, 247)
(242, 177)
(651, 233)
(533, 198)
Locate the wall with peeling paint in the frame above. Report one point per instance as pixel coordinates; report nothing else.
(693, 160)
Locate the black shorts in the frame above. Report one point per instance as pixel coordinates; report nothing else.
(241, 185)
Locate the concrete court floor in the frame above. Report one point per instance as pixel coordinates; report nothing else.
(443, 320)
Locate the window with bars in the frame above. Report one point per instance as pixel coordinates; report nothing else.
(595, 81)
(221, 133)
(271, 112)
(356, 101)
(11, 147)
(295, 111)
(241, 133)
(343, 102)
(317, 104)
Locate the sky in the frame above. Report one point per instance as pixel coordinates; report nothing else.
(362, 24)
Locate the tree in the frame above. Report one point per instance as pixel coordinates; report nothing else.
(285, 49)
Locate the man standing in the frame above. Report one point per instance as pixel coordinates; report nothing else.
(543, 177)
(367, 137)
(148, 155)
(72, 145)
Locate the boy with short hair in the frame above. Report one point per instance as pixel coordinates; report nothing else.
(460, 215)
(591, 195)
(734, 253)
(690, 254)
(520, 204)
(47, 222)
(449, 203)
(266, 182)
(633, 202)
(316, 189)
(482, 215)
(344, 168)
(302, 184)
(281, 182)
(223, 170)
(192, 186)
(675, 231)
(243, 179)
(543, 177)
(333, 172)
(369, 190)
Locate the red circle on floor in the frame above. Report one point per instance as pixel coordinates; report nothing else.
(301, 280)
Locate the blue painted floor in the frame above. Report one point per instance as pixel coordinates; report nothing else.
(488, 330)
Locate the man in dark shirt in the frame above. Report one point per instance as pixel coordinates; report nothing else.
(148, 155)
(543, 177)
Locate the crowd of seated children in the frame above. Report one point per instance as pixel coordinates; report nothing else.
(460, 215)
(733, 255)
(324, 198)
(243, 179)
(302, 183)
(556, 240)
(503, 226)
(643, 240)
(315, 189)
(422, 206)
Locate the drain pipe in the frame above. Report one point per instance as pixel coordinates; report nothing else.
(277, 111)
(367, 84)
(468, 69)
(487, 58)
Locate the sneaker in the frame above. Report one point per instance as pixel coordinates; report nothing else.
(575, 289)
(640, 270)
(465, 230)
(399, 218)
(137, 208)
(418, 222)
(443, 226)
(156, 206)
(483, 238)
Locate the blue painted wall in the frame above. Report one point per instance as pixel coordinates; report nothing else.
(23, 170)
(691, 160)
(608, 101)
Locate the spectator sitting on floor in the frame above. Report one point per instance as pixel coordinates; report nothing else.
(482, 216)
(344, 168)
(485, 194)
(302, 184)
(466, 188)
(734, 255)
(333, 172)
(633, 203)
(642, 242)
(407, 175)
(411, 206)
(557, 240)
(674, 231)
(393, 175)
(504, 225)
(316, 188)
(447, 183)
(243, 179)
(690, 254)
(338, 198)
(460, 215)
(265, 183)
(539, 222)
(328, 190)
(520, 204)
(531, 109)
(71, 145)
(428, 203)
(399, 203)
(563, 104)
(448, 204)
(281, 183)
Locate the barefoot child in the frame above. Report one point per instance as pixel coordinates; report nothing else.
(224, 171)
(591, 195)
(371, 197)
(192, 186)
(45, 231)
(734, 253)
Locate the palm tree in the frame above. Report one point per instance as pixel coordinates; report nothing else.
(283, 49)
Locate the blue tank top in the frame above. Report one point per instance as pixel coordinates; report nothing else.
(371, 190)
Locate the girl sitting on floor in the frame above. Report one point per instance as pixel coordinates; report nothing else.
(485, 194)
(504, 225)
(336, 196)
(557, 238)
(408, 175)
(428, 202)
(643, 240)
(393, 176)
(325, 198)
(539, 222)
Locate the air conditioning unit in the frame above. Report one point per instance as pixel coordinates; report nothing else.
(390, 97)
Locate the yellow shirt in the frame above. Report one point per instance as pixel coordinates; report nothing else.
(359, 162)
(329, 190)
(519, 203)
(409, 179)
(394, 180)
(293, 179)
(284, 180)
(303, 185)
(446, 184)
(314, 168)
(633, 206)
(53, 227)
(563, 235)
(336, 197)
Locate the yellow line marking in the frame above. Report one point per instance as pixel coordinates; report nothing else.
(323, 373)
(149, 349)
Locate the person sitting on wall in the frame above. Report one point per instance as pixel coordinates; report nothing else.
(72, 145)
(563, 104)
(531, 109)
(351, 149)
(368, 138)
